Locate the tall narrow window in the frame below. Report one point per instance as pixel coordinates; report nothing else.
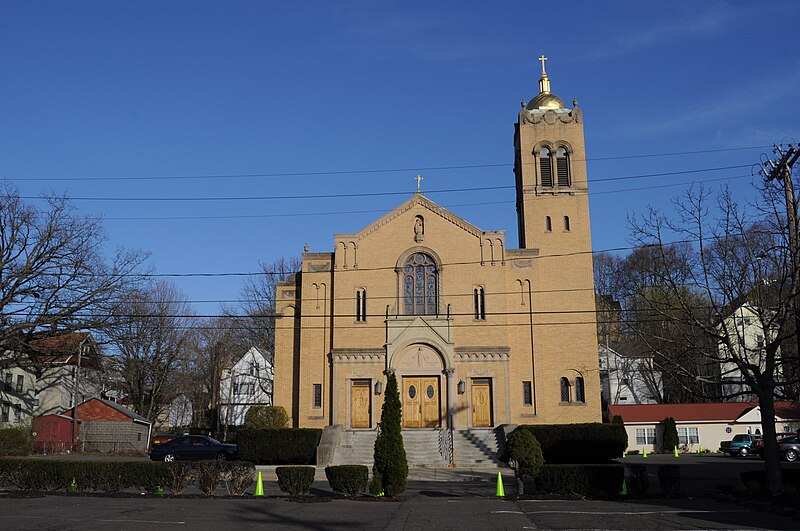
(565, 390)
(562, 167)
(566, 223)
(20, 380)
(548, 224)
(480, 303)
(17, 412)
(317, 395)
(527, 393)
(580, 394)
(361, 305)
(6, 406)
(420, 285)
(545, 167)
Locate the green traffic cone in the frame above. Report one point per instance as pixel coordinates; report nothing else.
(259, 485)
(644, 451)
(624, 491)
(500, 492)
(676, 451)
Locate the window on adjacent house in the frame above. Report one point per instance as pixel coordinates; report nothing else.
(645, 435)
(17, 412)
(317, 395)
(580, 395)
(545, 167)
(759, 340)
(361, 305)
(688, 436)
(420, 285)
(9, 376)
(20, 380)
(562, 167)
(4, 412)
(527, 393)
(565, 390)
(480, 303)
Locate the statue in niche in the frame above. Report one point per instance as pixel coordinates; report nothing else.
(419, 229)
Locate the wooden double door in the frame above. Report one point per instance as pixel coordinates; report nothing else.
(421, 401)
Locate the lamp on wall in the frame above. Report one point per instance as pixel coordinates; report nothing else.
(462, 387)
(378, 387)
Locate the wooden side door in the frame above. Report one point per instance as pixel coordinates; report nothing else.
(360, 411)
(481, 403)
(429, 388)
(412, 410)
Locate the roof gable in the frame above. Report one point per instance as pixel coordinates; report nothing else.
(417, 200)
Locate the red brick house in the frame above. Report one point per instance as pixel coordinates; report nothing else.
(109, 427)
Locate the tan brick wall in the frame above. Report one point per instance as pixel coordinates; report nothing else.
(555, 265)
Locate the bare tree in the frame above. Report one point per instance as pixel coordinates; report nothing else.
(53, 275)
(733, 259)
(152, 335)
(256, 317)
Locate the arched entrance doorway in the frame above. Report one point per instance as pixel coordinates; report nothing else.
(419, 370)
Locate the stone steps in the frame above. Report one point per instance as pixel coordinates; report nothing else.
(476, 447)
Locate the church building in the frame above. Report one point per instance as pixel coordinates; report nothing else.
(478, 333)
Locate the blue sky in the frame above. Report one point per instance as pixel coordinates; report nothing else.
(111, 100)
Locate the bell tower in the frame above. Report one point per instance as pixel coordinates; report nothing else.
(550, 170)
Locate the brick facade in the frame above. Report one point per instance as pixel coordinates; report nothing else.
(488, 333)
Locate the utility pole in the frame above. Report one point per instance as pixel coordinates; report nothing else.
(780, 170)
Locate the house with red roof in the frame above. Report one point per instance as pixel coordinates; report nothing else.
(700, 425)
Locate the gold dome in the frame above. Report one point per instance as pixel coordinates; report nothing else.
(546, 100)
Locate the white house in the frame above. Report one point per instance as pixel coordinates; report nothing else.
(246, 383)
(17, 390)
(748, 337)
(627, 379)
(700, 425)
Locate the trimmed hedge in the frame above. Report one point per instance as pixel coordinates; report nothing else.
(638, 481)
(284, 446)
(669, 478)
(581, 480)
(755, 481)
(579, 443)
(265, 417)
(15, 441)
(296, 480)
(115, 476)
(348, 479)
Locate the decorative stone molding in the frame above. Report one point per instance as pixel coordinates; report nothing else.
(319, 268)
(356, 355)
(472, 354)
(550, 116)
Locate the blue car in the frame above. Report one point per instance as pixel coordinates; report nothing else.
(193, 448)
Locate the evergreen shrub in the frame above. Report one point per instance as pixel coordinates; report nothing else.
(524, 455)
(296, 480)
(348, 479)
(638, 482)
(15, 441)
(390, 468)
(580, 480)
(669, 479)
(265, 417)
(579, 443)
(285, 446)
(670, 439)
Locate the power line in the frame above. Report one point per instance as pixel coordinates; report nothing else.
(371, 170)
(374, 194)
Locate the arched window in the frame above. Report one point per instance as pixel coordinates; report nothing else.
(545, 167)
(566, 223)
(480, 303)
(548, 224)
(565, 390)
(562, 167)
(361, 305)
(420, 285)
(580, 394)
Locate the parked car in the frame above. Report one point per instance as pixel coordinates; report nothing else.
(193, 448)
(789, 448)
(161, 438)
(741, 445)
(759, 449)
